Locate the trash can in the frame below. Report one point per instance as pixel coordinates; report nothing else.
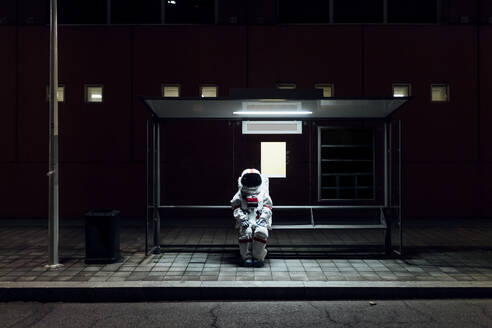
(102, 237)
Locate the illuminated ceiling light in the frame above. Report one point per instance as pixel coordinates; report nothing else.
(245, 112)
(96, 96)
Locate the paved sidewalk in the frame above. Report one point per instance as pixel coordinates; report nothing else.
(450, 256)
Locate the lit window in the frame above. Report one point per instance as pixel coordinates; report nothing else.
(273, 159)
(93, 93)
(440, 92)
(284, 86)
(208, 91)
(171, 90)
(60, 93)
(401, 90)
(328, 89)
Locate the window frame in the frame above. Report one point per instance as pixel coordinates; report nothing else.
(164, 85)
(86, 93)
(373, 175)
(59, 86)
(285, 86)
(401, 84)
(207, 85)
(326, 85)
(448, 96)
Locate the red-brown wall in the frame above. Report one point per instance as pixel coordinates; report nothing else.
(448, 164)
(485, 172)
(8, 82)
(439, 138)
(305, 56)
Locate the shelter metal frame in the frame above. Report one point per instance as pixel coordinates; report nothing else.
(391, 213)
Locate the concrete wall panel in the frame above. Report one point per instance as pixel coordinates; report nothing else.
(446, 190)
(189, 56)
(8, 94)
(423, 56)
(33, 105)
(305, 56)
(95, 131)
(485, 93)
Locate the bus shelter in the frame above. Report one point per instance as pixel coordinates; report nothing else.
(285, 114)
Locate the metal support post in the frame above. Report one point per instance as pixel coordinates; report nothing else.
(385, 164)
(390, 164)
(53, 209)
(157, 182)
(400, 191)
(146, 164)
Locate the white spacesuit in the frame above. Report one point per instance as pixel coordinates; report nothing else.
(252, 208)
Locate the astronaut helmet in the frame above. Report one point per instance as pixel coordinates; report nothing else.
(250, 182)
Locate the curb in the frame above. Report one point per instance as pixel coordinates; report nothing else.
(147, 291)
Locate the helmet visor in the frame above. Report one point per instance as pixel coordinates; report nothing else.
(251, 180)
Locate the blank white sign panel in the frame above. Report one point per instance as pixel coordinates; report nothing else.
(272, 127)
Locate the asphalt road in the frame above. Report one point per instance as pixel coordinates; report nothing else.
(399, 313)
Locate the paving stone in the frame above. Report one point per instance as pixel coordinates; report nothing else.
(174, 273)
(17, 260)
(26, 278)
(62, 278)
(448, 269)
(172, 278)
(98, 279)
(116, 279)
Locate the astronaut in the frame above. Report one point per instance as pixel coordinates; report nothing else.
(252, 210)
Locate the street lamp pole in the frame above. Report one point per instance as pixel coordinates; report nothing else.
(53, 212)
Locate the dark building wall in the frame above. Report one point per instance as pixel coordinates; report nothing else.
(102, 145)
(440, 139)
(8, 89)
(305, 56)
(486, 119)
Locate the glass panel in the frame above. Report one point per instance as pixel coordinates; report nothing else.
(328, 194)
(440, 93)
(170, 91)
(135, 11)
(401, 90)
(273, 159)
(82, 12)
(284, 86)
(190, 11)
(60, 93)
(94, 94)
(327, 89)
(347, 152)
(306, 11)
(358, 11)
(412, 11)
(365, 194)
(346, 137)
(208, 91)
(329, 181)
(347, 194)
(346, 163)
